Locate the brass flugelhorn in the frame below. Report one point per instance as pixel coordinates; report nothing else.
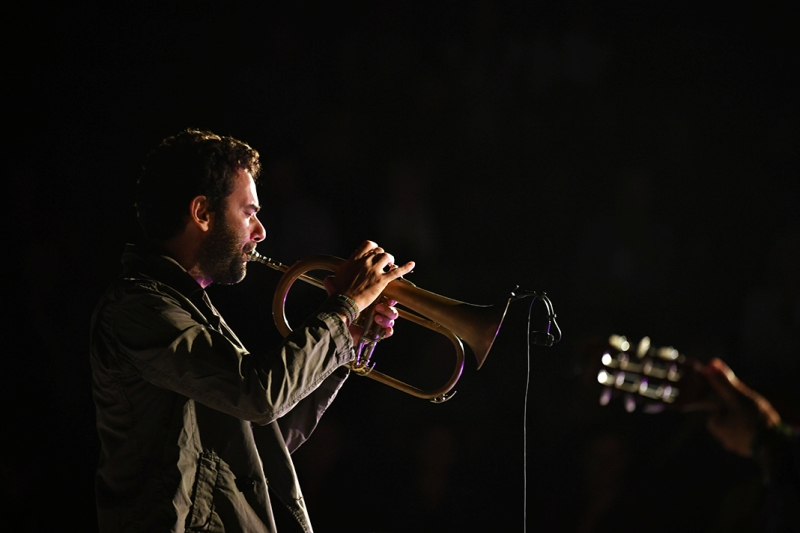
(477, 325)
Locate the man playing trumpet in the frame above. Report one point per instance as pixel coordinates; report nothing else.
(195, 431)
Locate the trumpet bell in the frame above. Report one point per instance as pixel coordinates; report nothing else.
(477, 325)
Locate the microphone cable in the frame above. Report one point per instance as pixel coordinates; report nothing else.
(545, 339)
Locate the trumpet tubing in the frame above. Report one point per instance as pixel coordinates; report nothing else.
(477, 325)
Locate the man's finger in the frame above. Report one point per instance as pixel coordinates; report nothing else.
(719, 382)
(362, 249)
(401, 271)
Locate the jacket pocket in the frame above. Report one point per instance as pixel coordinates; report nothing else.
(205, 485)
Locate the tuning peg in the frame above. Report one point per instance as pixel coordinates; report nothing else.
(605, 397)
(630, 403)
(619, 342)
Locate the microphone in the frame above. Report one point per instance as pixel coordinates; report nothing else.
(541, 338)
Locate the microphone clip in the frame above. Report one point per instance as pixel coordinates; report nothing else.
(540, 338)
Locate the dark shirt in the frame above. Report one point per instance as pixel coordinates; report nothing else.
(194, 429)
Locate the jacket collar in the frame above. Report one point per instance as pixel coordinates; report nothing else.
(146, 262)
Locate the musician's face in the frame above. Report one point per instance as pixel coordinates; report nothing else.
(235, 232)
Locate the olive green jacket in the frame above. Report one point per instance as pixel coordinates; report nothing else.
(195, 431)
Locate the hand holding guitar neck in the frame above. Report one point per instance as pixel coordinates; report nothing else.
(661, 378)
(740, 412)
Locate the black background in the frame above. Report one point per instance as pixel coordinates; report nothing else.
(637, 162)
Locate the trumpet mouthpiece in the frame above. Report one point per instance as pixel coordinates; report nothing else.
(255, 256)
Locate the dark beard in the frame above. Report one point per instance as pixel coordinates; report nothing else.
(220, 256)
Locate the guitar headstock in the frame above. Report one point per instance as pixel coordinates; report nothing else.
(654, 377)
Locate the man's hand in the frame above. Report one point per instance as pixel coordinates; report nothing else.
(740, 411)
(363, 277)
(366, 273)
(385, 315)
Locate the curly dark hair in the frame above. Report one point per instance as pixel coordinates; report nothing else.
(189, 164)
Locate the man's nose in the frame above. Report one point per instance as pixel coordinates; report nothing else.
(259, 232)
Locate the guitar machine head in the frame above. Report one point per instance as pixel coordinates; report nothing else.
(656, 378)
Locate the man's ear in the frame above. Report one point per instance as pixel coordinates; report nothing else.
(199, 214)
